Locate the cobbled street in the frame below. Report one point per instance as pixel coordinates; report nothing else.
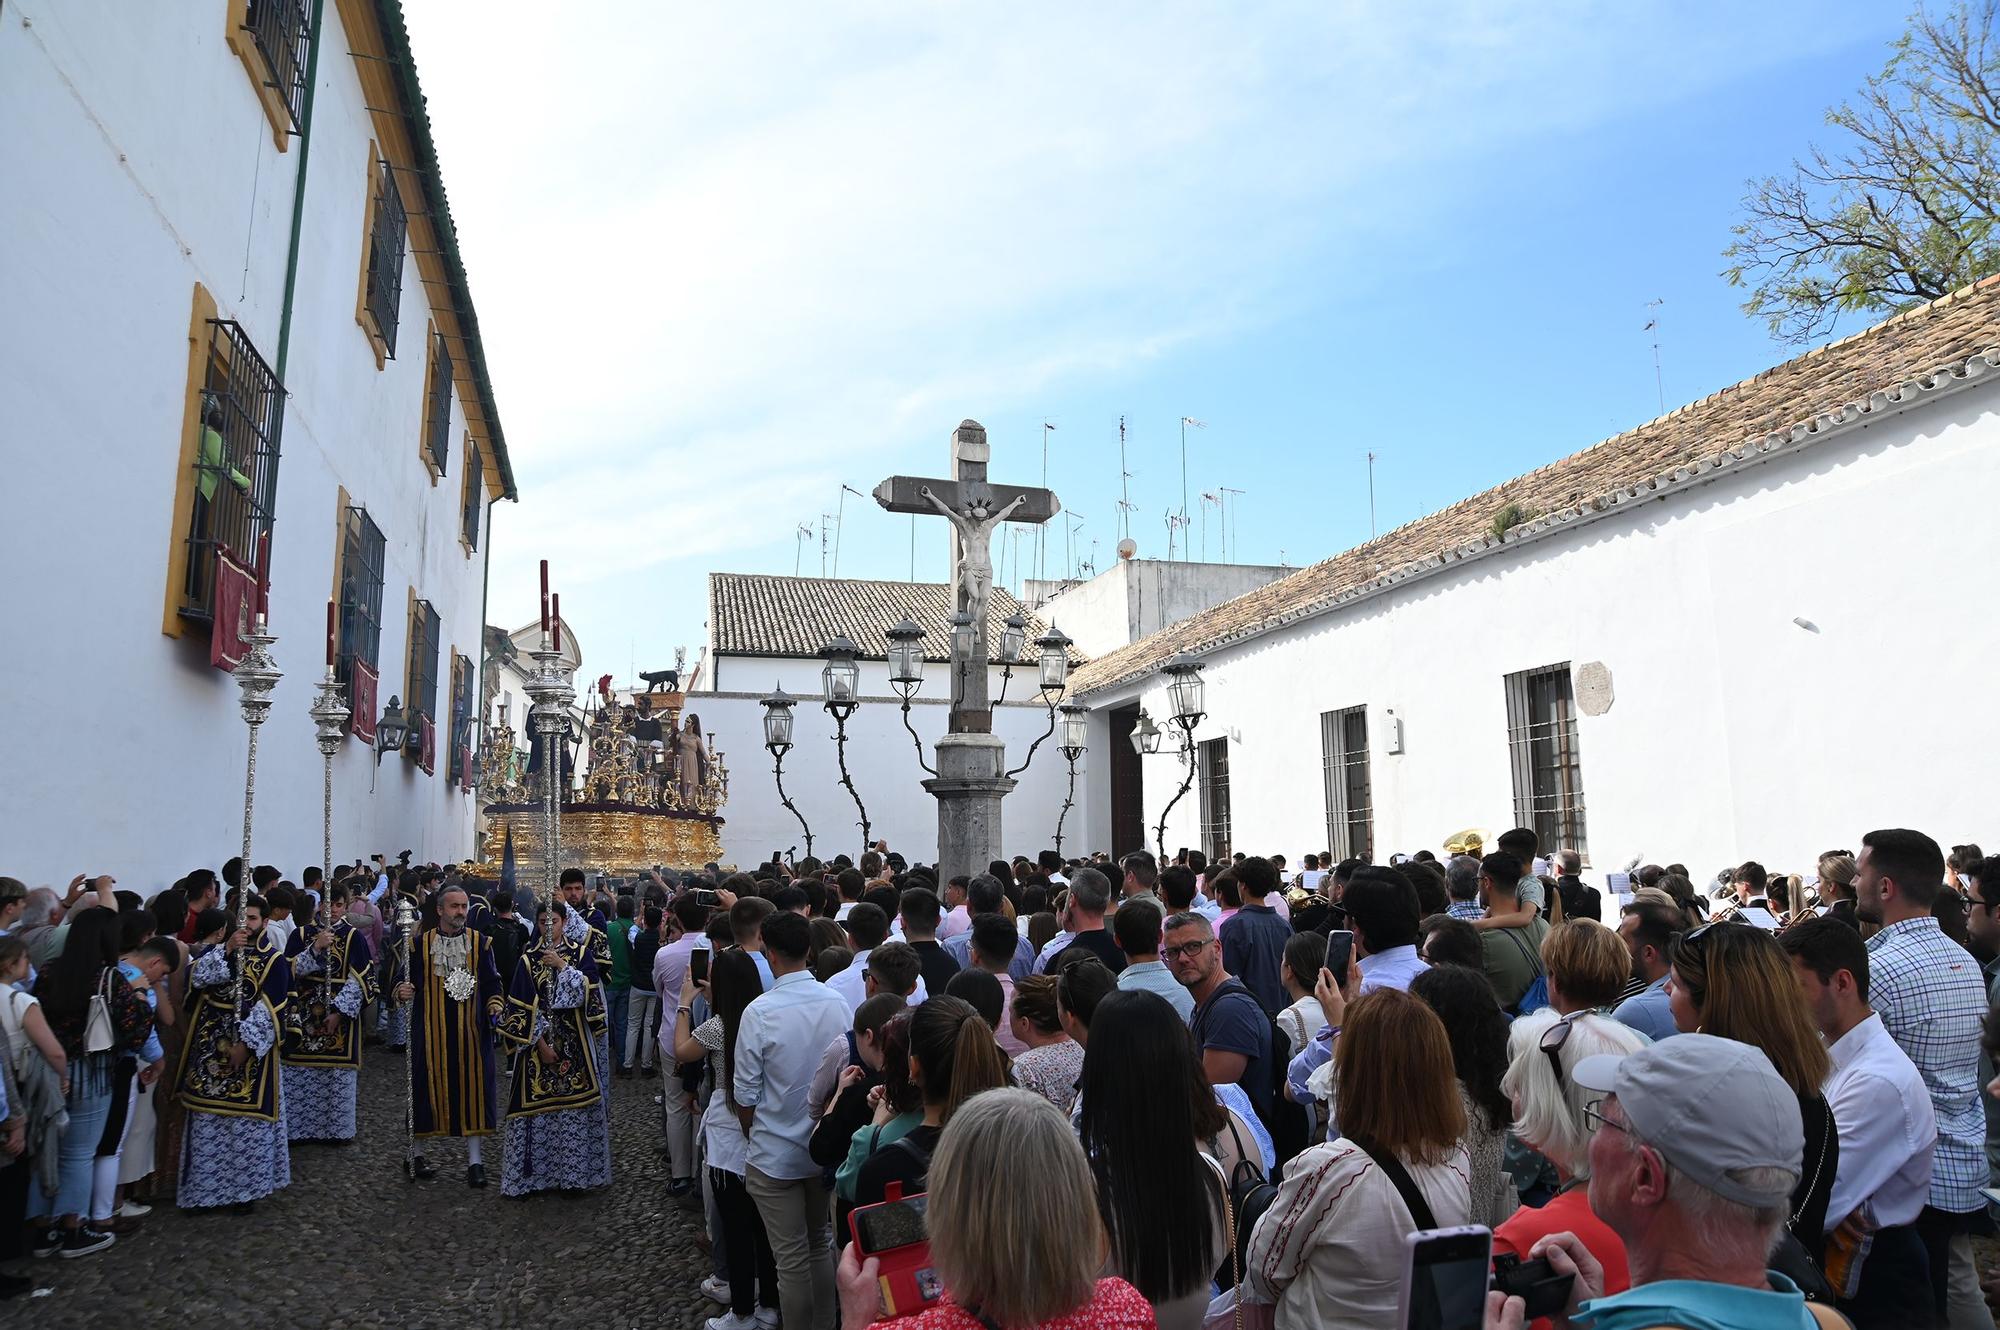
(351, 1242)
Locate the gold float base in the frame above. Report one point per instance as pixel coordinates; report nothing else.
(611, 839)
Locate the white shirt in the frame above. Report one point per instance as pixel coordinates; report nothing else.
(849, 985)
(1887, 1127)
(778, 1048)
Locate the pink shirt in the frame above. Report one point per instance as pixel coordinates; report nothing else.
(955, 921)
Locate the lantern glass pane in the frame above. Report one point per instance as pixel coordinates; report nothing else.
(778, 726)
(840, 679)
(1011, 638)
(1075, 731)
(1055, 667)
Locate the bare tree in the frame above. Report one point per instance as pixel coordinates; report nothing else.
(1904, 210)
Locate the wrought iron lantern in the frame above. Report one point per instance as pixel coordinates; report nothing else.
(1054, 648)
(963, 636)
(1145, 735)
(1184, 691)
(1013, 632)
(392, 729)
(906, 657)
(841, 679)
(1075, 729)
(778, 721)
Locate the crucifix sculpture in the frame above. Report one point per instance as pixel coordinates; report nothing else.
(971, 763)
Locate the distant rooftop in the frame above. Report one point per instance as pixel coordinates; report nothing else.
(754, 614)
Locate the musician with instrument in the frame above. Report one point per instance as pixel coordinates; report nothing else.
(320, 1054)
(235, 1150)
(455, 998)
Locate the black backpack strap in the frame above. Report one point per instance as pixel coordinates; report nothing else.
(1392, 1168)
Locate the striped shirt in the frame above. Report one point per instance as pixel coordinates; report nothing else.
(1929, 993)
(1466, 910)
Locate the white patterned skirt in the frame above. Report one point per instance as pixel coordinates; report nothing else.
(319, 1102)
(227, 1161)
(567, 1149)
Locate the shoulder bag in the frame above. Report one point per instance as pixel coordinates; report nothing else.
(98, 1036)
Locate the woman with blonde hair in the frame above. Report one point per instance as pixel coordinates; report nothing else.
(1587, 966)
(1837, 872)
(1734, 981)
(1329, 1252)
(1019, 1254)
(1549, 1117)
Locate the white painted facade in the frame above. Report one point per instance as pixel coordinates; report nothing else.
(1737, 731)
(1135, 598)
(138, 162)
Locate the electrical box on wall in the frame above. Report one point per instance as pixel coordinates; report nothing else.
(1392, 732)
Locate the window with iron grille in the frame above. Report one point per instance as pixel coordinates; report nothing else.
(475, 491)
(282, 30)
(462, 738)
(437, 429)
(362, 553)
(241, 406)
(1547, 766)
(1213, 755)
(423, 673)
(1350, 810)
(385, 257)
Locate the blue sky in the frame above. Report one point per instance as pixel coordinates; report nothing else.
(727, 261)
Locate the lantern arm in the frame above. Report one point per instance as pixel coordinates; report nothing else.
(1036, 744)
(778, 774)
(1187, 756)
(915, 738)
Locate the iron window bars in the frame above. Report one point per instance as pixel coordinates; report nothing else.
(1215, 838)
(1543, 753)
(385, 258)
(361, 563)
(242, 411)
(437, 429)
(475, 490)
(1350, 813)
(282, 30)
(423, 676)
(461, 716)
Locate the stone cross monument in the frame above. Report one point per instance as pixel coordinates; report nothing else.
(971, 760)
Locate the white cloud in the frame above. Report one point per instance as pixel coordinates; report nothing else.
(726, 256)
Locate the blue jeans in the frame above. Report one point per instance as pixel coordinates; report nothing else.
(616, 1001)
(89, 1103)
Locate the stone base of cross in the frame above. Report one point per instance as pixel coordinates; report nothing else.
(971, 759)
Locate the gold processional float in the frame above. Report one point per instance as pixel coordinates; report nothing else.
(651, 790)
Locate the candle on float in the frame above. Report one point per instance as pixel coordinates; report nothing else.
(332, 630)
(556, 613)
(545, 596)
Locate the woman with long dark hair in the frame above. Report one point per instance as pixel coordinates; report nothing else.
(1464, 1001)
(1148, 1115)
(87, 968)
(952, 1058)
(733, 983)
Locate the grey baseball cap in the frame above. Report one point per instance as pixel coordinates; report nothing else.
(1710, 1106)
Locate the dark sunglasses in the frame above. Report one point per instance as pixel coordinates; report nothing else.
(1553, 1039)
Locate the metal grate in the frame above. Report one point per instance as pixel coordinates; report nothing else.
(282, 30)
(461, 714)
(423, 673)
(437, 430)
(385, 258)
(1214, 758)
(475, 492)
(242, 410)
(1547, 764)
(362, 555)
(1350, 812)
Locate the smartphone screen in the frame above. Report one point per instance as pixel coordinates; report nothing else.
(1444, 1287)
(1339, 950)
(891, 1225)
(698, 965)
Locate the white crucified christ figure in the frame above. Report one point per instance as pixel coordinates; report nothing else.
(975, 561)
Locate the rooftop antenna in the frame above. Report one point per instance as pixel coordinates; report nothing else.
(1198, 424)
(824, 518)
(1371, 496)
(1125, 506)
(1208, 499)
(799, 545)
(913, 547)
(1226, 491)
(1072, 520)
(1653, 327)
(840, 520)
(1041, 564)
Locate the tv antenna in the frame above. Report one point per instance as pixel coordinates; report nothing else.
(1653, 327)
(1209, 499)
(799, 545)
(1185, 422)
(1041, 564)
(1125, 505)
(1072, 520)
(1371, 496)
(824, 520)
(840, 520)
(1226, 491)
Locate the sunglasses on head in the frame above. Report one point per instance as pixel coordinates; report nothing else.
(1552, 1041)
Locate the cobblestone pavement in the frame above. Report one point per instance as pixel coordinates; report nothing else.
(351, 1242)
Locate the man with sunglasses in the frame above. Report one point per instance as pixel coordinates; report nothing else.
(1230, 1025)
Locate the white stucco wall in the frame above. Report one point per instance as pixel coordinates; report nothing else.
(1735, 732)
(138, 163)
(1137, 597)
(883, 762)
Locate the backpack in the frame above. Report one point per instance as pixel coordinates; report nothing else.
(1537, 995)
(1290, 1124)
(1250, 1195)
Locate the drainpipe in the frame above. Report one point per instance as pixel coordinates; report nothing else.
(299, 187)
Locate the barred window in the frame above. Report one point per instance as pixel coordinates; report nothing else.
(282, 31)
(241, 406)
(437, 428)
(475, 491)
(462, 737)
(1213, 756)
(423, 672)
(1350, 812)
(1542, 749)
(362, 555)
(386, 237)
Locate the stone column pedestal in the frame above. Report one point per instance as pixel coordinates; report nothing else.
(969, 787)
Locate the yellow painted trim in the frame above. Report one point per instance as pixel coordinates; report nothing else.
(376, 342)
(236, 34)
(204, 309)
(340, 505)
(424, 426)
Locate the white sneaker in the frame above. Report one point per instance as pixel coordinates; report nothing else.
(134, 1210)
(717, 1290)
(731, 1321)
(767, 1317)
